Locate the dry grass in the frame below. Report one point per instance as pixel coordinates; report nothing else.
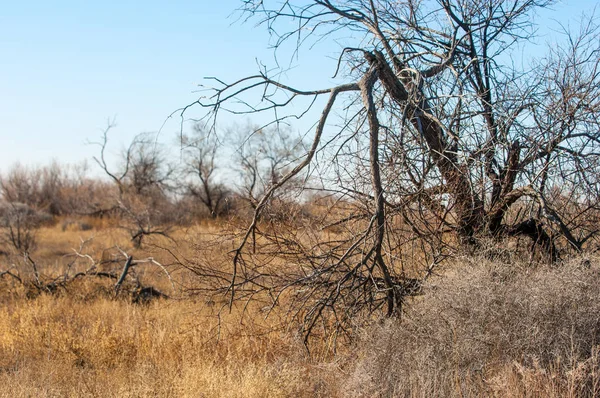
(59, 346)
(490, 329)
(481, 329)
(84, 342)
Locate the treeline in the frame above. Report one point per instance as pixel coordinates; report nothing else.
(56, 189)
(151, 186)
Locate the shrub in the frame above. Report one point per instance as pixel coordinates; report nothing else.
(485, 320)
(18, 224)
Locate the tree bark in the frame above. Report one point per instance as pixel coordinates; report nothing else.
(468, 207)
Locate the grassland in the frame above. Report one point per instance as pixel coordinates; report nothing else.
(482, 328)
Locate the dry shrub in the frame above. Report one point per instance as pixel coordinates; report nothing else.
(18, 225)
(490, 329)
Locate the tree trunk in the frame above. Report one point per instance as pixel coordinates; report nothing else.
(468, 207)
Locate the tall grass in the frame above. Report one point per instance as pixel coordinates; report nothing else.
(482, 328)
(60, 346)
(490, 329)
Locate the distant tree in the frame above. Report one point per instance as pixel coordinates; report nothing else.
(149, 170)
(200, 169)
(18, 226)
(143, 180)
(21, 185)
(38, 187)
(263, 157)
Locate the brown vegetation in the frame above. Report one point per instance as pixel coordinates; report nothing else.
(437, 237)
(481, 327)
(490, 329)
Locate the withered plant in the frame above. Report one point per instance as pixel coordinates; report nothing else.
(434, 140)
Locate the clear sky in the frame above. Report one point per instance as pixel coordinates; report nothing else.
(68, 66)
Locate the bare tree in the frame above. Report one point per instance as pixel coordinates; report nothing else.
(441, 139)
(149, 170)
(18, 226)
(142, 182)
(38, 187)
(263, 157)
(201, 170)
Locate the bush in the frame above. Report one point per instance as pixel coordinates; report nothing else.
(57, 189)
(18, 224)
(486, 323)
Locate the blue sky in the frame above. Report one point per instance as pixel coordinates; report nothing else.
(68, 66)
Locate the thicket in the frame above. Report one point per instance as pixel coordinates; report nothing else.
(490, 328)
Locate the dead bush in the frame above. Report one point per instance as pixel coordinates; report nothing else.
(18, 225)
(474, 324)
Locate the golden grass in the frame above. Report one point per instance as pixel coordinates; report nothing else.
(85, 342)
(59, 346)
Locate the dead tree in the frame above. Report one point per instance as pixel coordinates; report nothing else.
(84, 266)
(438, 134)
(201, 169)
(143, 180)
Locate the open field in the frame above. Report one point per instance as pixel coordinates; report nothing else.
(81, 341)
(484, 328)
